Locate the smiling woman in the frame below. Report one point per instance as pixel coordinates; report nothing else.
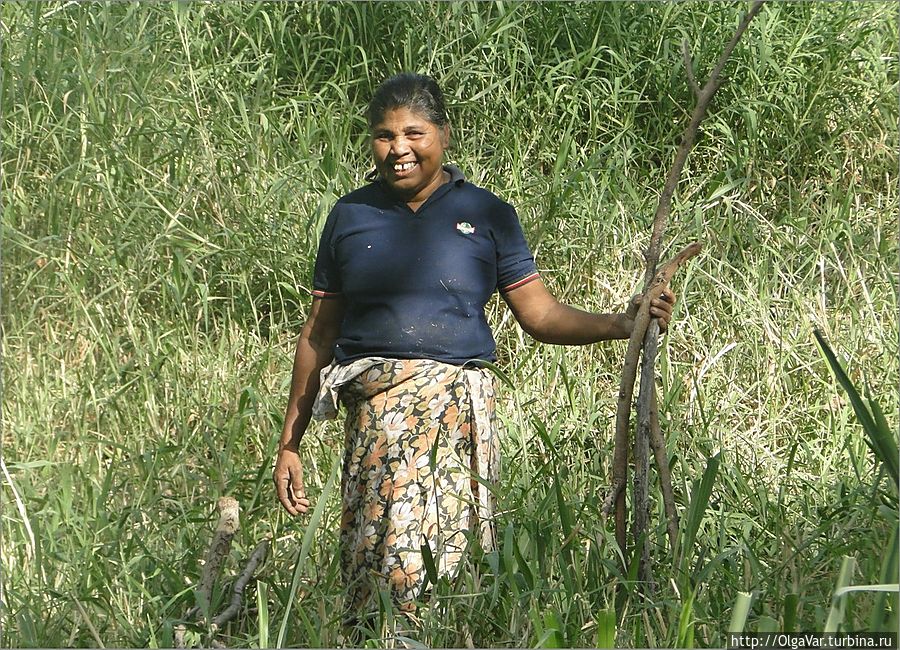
(408, 152)
(397, 333)
(409, 137)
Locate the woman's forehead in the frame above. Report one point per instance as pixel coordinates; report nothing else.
(401, 117)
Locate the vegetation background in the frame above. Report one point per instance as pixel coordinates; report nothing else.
(167, 167)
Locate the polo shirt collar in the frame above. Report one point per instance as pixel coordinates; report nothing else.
(456, 176)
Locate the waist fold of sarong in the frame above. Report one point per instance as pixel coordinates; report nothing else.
(479, 385)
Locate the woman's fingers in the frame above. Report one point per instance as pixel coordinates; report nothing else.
(662, 307)
(633, 305)
(288, 478)
(298, 494)
(283, 490)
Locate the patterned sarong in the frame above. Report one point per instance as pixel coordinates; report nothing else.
(419, 436)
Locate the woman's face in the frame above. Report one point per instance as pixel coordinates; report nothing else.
(409, 153)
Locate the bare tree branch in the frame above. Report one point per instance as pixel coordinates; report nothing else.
(237, 593)
(664, 208)
(660, 220)
(661, 456)
(641, 496)
(626, 386)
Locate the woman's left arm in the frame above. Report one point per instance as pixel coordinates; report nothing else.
(546, 319)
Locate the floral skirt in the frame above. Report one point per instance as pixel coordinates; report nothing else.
(420, 449)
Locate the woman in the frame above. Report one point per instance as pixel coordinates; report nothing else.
(396, 330)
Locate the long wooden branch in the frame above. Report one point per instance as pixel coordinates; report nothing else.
(641, 492)
(648, 433)
(660, 220)
(705, 95)
(626, 387)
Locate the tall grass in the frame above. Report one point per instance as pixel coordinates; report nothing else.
(167, 168)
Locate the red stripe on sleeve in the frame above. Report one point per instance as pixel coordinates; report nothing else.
(318, 293)
(519, 283)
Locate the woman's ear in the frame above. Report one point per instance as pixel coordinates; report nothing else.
(445, 136)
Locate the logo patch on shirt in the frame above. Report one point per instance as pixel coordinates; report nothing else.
(465, 228)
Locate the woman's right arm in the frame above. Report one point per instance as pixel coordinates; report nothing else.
(315, 349)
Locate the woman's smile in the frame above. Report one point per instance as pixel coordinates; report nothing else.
(404, 169)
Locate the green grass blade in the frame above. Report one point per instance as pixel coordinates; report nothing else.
(886, 442)
(308, 536)
(262, 608)
(497, 370)
(428, 560)
(565, 514)
(766, 624)
(838, 603)
(889, 568)
(699, 501)
(686, 623)
(884, 588)
(551, 637)
(882, 440)
(606, 628)
(789, 617)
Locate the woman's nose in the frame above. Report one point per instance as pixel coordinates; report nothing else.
(399, 146)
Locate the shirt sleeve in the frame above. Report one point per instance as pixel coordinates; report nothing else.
(515, 262)
(326, 273)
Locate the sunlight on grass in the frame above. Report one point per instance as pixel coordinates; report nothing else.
(167, 170)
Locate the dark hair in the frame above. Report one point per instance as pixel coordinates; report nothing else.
(416, 92)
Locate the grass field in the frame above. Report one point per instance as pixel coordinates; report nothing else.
(166, 169)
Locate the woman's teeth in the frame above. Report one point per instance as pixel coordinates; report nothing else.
(402, 167)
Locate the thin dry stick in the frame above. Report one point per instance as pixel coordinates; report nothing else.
(626, 387)
(90, 625)
(648, 432)
(237, 594)
(641, 505)
(660, 454)
(23, 512)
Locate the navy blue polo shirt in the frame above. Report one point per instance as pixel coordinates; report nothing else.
(415, 283)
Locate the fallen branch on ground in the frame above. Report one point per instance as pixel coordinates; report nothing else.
(256, 558)
(218, 552)
(229, 510)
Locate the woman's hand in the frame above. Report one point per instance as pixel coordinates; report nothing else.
(288, 477)
(660, 308)
(315, 349)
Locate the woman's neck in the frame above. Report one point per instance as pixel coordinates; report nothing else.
(417, 203)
